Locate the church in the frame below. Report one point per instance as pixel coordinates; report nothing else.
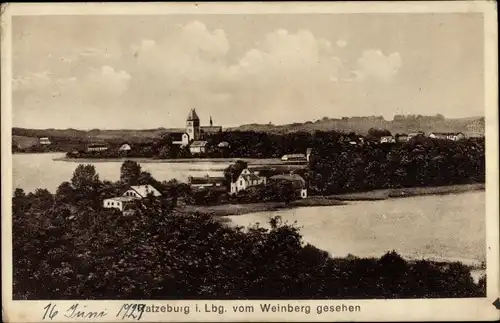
(194, 132)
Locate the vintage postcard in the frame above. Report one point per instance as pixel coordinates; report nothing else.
(171, 162)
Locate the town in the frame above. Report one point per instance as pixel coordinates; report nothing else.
(242, 180)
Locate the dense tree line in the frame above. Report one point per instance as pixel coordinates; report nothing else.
(66, 246)
(420, 162)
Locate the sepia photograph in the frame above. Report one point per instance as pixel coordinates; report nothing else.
(249, 161)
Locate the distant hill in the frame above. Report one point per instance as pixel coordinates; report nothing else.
(73, 138)
(472, 126)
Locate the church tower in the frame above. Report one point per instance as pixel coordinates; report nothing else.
(193, 125)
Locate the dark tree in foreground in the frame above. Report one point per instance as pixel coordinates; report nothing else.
(130, 171)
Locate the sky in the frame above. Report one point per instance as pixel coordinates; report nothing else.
(144, 72)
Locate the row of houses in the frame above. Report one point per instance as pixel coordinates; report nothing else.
(455, 136)
(246, 179)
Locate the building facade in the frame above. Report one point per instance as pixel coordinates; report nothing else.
(455, 136)
(44, 141)
(97, 147)
(207, 182)
(246, 179)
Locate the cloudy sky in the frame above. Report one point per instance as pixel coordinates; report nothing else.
(147, 71)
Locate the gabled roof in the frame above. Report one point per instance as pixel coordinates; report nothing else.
(123, 198)
(144, 190)
(193, 116)
(250, 177)
(199, 143)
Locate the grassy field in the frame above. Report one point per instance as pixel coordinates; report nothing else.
(406, 192)
(331, 200)
(238, 209)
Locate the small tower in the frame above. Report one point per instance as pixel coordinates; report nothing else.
(193, 125)
(211, 122)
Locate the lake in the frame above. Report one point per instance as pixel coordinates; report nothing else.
(444, 227)
(439, 227)
(32, 171)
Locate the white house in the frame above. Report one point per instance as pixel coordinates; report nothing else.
(180, 139)
(298, 182)
(97, 147)
(133, 194)
(387, 139)
(119, 202)
(198, 147)
(455, 136)
(125, 147)
(245, 180)
(141, 191)
(44, 141)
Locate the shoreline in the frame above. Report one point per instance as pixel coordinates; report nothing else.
(235, 209)
(252, 161)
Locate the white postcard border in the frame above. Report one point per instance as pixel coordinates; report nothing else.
(371, 310)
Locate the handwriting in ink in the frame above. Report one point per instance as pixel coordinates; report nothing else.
(75, 311)
(131, 311)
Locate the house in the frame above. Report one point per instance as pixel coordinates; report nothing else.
(455, 136)
(119, 202)
(198, 147)
(294, 157)
(298, 182)
(207, 182)
(180, 138)
(125, 147)
(97, 147)
(141, 191)
(246, 179)
(387, 139)
(130, 197)
(44, 141)
(402, 137)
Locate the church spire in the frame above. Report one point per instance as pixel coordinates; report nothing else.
(192, 115)
(211, 123)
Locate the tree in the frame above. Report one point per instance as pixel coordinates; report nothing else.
(234, 170)
(130, 172)
(65, 192)
(19, 202)
(374, 133)
(84, 177)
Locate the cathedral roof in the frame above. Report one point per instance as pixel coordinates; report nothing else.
(192, 115)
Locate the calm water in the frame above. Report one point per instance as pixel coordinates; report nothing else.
(447, 227)
(32, 171)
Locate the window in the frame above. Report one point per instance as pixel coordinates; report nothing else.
(241, 182)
